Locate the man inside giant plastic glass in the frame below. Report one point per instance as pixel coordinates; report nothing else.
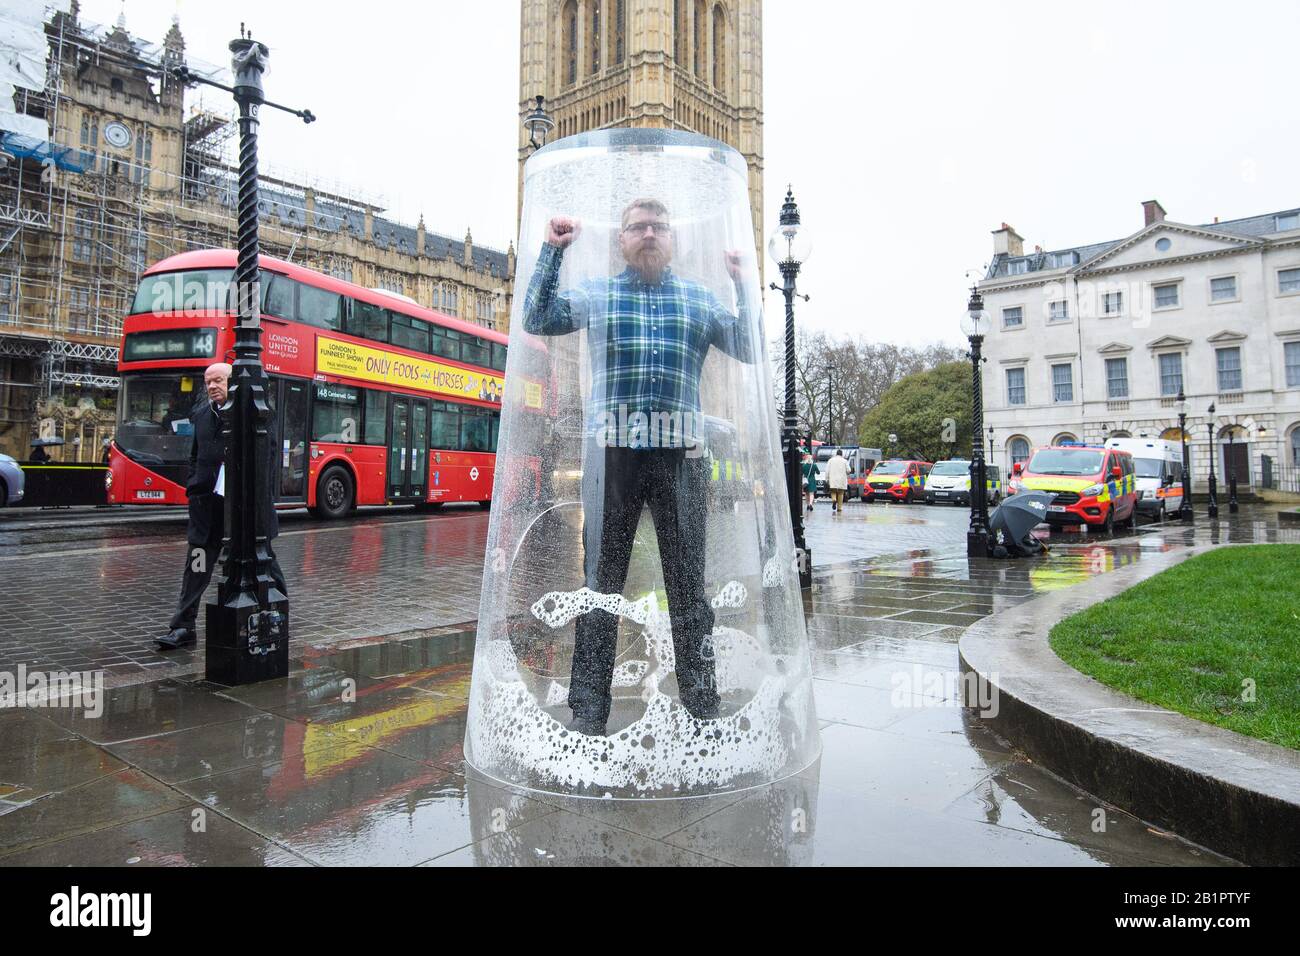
(649, 332)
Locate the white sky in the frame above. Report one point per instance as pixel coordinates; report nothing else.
(908, 130)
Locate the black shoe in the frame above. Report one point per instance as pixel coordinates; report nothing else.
(176, 637)
(587, 726)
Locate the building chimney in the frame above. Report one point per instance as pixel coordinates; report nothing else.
(1152, 211)
(1008, 242)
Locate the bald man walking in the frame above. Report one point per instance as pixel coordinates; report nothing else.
(208, 508)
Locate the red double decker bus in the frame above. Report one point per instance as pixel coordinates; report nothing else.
(378, 400)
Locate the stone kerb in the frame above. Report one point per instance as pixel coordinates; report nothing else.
(1231, 793)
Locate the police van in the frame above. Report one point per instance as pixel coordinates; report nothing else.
(949, 481)
(1158, 465)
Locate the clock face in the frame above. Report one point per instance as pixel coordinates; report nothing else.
(116, 134)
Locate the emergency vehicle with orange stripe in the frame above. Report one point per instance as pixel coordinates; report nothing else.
(897, 479)
(1158, 464)
(1093, 485)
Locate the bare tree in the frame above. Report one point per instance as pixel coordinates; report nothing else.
(838, 381)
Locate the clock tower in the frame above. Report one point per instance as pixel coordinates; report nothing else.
(664, 64)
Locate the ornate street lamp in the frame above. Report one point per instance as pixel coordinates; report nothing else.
(975, 324)
(990, 442)
(830, 405)
(538, 124)
(789, 248)
(248, 626)
(893, 441)
(1213, 509)
(1185, 511)
(1232, 471)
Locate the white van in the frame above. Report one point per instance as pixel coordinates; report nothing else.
(1158, 465)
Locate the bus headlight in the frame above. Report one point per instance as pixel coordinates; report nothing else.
(108, 480)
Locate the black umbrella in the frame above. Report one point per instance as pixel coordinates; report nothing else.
(1012, 521)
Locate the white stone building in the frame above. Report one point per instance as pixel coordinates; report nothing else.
(1095, 341)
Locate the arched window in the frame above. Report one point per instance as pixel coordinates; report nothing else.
(593, 41)
(1119, 433)
(679, 32)
(620, 27)
(570, 21)
(1063, 438)
(1018, 448)
(1295, 445)
(719, 47)
(89, 141)
(701, 37)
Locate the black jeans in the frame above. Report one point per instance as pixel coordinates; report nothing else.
(202, 553)
(675, 486)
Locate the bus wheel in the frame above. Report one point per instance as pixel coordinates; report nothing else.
(335, 494)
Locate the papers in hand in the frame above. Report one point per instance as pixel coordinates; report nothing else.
(220, 488)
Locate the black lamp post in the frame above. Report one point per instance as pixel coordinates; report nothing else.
(975, 325)
(1213, 509)
(538, 124)
(1232, 471)
(990, 442)
(789, 248)
(1185, 511)
(832, 437)
(248, 626)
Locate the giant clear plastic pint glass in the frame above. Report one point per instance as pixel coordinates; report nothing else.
(641, 632)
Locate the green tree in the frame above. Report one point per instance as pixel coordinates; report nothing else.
(929, 411)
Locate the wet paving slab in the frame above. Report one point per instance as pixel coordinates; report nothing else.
(356, 758)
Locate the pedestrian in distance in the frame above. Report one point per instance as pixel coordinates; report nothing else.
(207, 508)
(810, 480)
(837, 479)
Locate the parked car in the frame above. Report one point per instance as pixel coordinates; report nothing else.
(1159, 466)
(12, 482)
(949, 481)
(1093, 485)
(897, 479)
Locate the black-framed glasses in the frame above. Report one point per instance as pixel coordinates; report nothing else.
(638, 228)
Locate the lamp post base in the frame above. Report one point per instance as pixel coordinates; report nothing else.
(245, 643)
(977, 544)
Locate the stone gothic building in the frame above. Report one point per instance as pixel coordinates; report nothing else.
(665, 64)
(126, 172)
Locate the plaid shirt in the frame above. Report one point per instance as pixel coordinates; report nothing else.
(648, 341)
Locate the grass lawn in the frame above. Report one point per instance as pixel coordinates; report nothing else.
(1189, 638)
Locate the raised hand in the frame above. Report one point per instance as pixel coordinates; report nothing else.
(735, 264)
(562, 230)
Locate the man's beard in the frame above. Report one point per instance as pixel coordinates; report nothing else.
(650, 263)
